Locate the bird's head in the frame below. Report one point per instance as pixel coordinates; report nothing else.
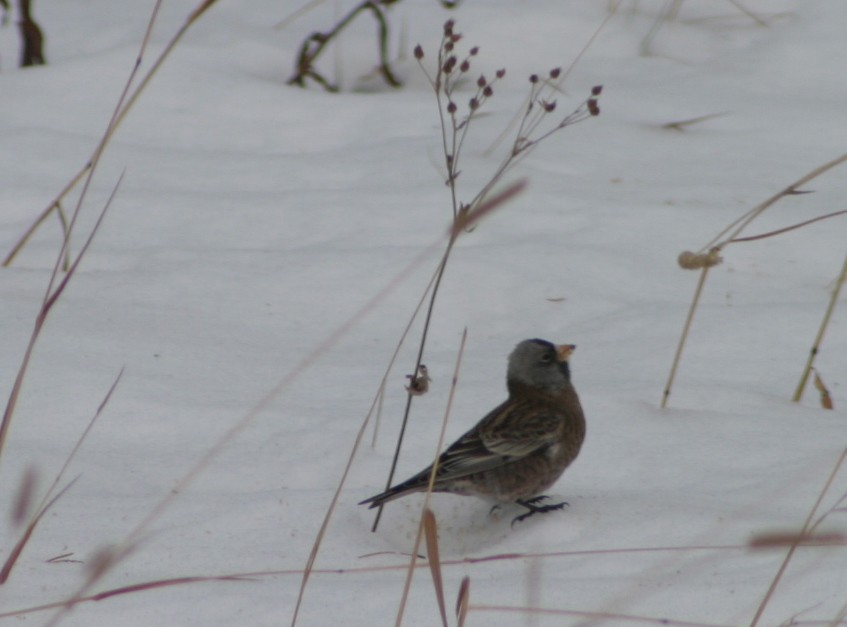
(540, 364)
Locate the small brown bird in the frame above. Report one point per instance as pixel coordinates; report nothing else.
(521, 447)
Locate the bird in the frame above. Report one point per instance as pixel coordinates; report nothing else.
(522, 446)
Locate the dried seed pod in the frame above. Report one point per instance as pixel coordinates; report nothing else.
(696, 261)
(418, 382)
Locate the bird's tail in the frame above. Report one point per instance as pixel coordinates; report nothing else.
(415, 484)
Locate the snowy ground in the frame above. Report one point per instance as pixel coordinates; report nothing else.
(255, 219)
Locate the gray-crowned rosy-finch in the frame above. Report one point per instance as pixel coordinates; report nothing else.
(522, 446)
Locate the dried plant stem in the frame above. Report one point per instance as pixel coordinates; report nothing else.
(685, 329)
(433, 556)
(425, 507)
(606, 617)
(732, 231)
(439, 273)
(50, 298)
(315, 43)
(813, 352)
(117, 119)
(798, 539)
(708, 255)
(464, 221)
(377, 403)
(48, 500)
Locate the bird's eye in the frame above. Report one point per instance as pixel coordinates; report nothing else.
(546, 358)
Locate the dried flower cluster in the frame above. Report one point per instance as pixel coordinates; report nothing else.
(452, 71)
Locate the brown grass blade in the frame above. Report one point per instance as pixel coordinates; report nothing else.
(611, 618)
(826, 399)
(434, 557)
(24, 496)
(413, 561)
(462, 601)
(131, 589)
(470, 218)
(779, 540)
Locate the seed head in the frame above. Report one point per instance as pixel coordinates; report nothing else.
(419, 52)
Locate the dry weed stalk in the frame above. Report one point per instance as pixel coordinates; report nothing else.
(51, 296)
(427, 525)
(612, 618)
(313, 46)
(452, 69)
(48, 500)
(709, 256)
(463, 600)
(798, 538)
(434, 558)
(127, 101)
(813, 352)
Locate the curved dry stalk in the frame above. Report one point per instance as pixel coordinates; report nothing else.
(732, 231)
(118, 118)
(708, 256)
(314, 45)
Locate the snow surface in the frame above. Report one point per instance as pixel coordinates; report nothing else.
(256, 219)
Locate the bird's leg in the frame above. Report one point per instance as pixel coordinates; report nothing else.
(534, 508)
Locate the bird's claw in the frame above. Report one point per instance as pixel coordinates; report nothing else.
(534, 508)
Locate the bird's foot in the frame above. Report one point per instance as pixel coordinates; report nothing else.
(534, 508)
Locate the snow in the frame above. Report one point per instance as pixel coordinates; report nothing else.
(255, 220)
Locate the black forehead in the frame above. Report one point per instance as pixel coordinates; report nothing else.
(544, 343)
